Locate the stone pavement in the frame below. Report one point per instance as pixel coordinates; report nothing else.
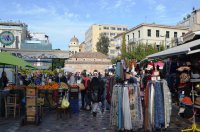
(82, 122)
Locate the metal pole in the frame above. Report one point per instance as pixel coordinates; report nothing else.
(165, 41)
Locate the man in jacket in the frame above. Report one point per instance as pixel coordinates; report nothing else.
(96, 91)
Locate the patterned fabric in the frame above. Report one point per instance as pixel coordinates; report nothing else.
(157, 105)
(120, 107)
(114, 106)
(126, 110)
(135, 107)
(167, 102)
(159, 109)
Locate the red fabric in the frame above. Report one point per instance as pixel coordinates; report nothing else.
(187, 100)
(86, 79)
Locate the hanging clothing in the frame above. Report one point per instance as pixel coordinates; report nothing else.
(135, 107)
(126, 110)
(114, 106)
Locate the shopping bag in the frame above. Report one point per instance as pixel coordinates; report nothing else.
(81, 86)
(64, 103)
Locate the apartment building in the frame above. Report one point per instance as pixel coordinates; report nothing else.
(192, 20)
(93, 33)
(154, 34)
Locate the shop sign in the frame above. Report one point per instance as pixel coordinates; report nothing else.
(7, 38)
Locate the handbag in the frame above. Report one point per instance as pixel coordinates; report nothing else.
(94, 96)
(81, 86)
(64, 103)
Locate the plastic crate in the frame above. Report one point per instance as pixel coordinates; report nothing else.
(31, 101)
(31, 111)
(31, 92)
(30, 118)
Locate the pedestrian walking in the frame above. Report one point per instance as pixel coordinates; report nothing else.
(95, 90)
(85, 99)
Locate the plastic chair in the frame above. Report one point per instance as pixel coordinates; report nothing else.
(11, 105)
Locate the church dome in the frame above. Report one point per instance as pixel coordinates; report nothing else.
(74, 40)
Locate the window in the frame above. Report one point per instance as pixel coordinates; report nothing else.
(139, 34)
(119, 29)
(106, 28)
(167, 34)
(124, 29)
(128, 37)
(112, 28)
(175, 34)
(133, 35)
(112, 34)
(183, 33)
(149, 32)
(157, 33)
(106, 34)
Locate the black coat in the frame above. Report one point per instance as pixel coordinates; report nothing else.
(95, 90)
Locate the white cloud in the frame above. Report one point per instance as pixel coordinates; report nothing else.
(59, 24)
(118, 4)
(160, 8)
(87, 16)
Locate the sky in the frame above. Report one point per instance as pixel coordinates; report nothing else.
(62, 19)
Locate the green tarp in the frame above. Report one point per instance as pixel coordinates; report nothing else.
(8, 59)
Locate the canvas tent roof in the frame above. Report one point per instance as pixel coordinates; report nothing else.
(8, 59)
(182, 49)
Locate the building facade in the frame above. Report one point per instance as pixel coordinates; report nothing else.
(82, 47)
(93, 33)
(89, 61)
(37, 41)
(154, 34)
(12, 34)
(192, 21)
(73, 46)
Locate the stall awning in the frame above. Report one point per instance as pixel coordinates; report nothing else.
(8, 59)
(182, 49)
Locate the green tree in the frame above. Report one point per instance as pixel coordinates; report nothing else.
(102, 44)
(141, 51)
(123, 48)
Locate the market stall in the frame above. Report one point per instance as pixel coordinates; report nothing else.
(181, 71)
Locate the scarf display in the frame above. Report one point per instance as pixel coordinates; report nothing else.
(126, 107)
(158, 105)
